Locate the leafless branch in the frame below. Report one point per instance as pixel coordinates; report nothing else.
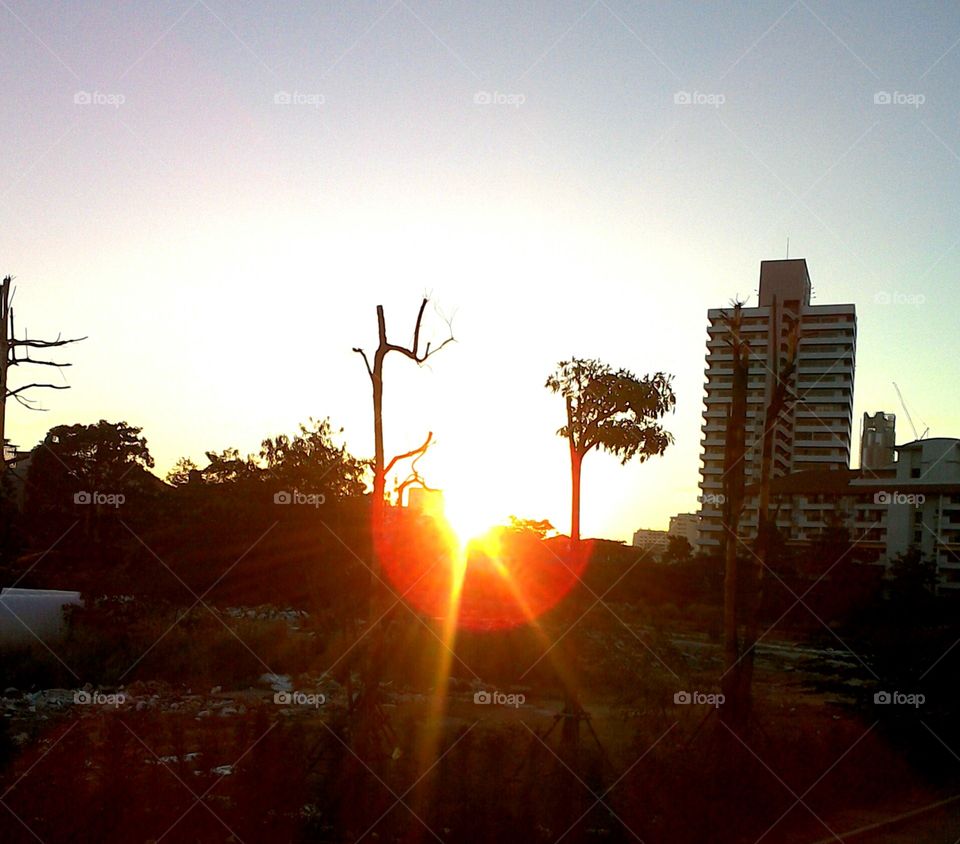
(366, 362)
(45, 344)
(31, 386)
(416, 328)
(412, 479)
(28, 404)
(414, 352)
(17, 361)
(416, 452)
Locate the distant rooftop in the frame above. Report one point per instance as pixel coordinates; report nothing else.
(919, 443)
(849, 482)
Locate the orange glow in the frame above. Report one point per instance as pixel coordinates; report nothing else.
(502, 579)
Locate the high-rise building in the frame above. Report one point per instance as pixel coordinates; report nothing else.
(878, 440)
(813, 433)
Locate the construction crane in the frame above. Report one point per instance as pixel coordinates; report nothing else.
(903, 404)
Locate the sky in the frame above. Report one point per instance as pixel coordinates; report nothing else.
(220, 194)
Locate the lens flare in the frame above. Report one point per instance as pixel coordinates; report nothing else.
(502, 579)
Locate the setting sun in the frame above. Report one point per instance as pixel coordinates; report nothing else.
(470, 514)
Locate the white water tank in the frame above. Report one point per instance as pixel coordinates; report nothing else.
(28, 615)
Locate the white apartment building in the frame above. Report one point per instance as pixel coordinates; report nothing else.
(686, 525)
(913, 502)
(923, 505)
(647, 539)
(814, 433)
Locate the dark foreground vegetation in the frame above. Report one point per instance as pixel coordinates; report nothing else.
(207, 690)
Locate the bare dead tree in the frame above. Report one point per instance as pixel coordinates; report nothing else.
(9, 357)
(739, 653)
(375, 371)
(373, 725)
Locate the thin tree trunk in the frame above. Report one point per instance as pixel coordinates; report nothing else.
(779, 394)
(379, 481)
(376, 647)
(570, 730)
(734, 471)
(576, 462)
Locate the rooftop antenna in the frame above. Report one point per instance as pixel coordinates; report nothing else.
(788, 246)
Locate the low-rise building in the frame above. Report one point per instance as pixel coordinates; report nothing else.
(654, 541)
(914, 502)
(923, 505)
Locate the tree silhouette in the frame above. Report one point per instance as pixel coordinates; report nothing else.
(98, 456)
(679, 550)
(538, 527)
(734, 475)
(228, 467)
(312, 462)
(9, 344)
(613, 410)
(418, 355)
(616, 411)
(75, 464)
(780, 397)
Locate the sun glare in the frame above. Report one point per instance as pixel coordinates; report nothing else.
(455, 561)
(470, 516)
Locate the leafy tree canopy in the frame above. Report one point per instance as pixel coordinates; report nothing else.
(613, 409)
(97, 457)
(310, 461)
(539, 527)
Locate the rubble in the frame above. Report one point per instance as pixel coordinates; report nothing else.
(277, 682)
(165, 699)
(266, 612)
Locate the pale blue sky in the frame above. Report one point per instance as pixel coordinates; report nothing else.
(224, 251)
